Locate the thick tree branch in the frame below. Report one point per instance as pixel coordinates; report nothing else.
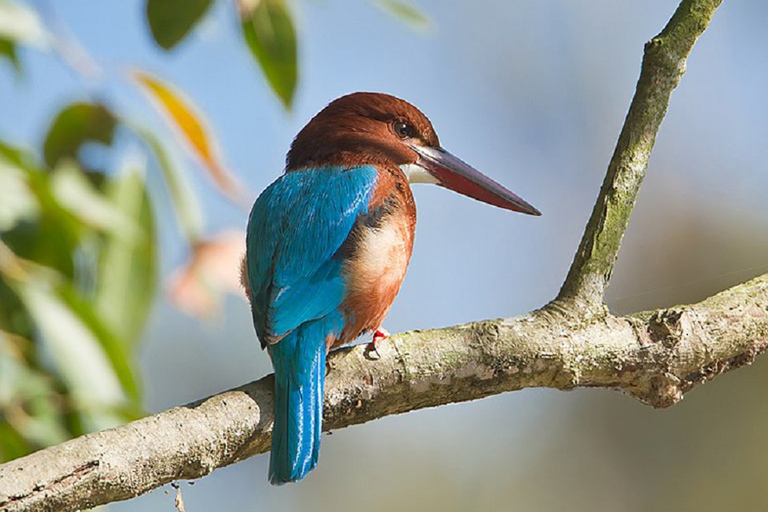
(572, 342)
(653, 356)
(663, 67)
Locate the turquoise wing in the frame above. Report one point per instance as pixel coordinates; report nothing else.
(295, 231)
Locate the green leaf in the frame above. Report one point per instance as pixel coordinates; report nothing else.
(44, 425)
(28, 401)
(8, 51)
(82, 200)
(93, 363)
(271, 36)
(71, 335)
(53, 238)
(127, 278)
(17, 201)
(75, 125)
(50, 242)
(115, 346)
(185, 204)
(171, 20)
(16, 156)
(12, 443)
(406, 13)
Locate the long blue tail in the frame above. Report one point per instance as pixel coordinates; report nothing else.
(299, 361)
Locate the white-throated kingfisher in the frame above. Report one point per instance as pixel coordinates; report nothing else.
(328, 244)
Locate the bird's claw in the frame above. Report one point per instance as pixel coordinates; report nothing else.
(379, 335)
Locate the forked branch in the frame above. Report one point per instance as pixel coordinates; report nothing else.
(572, 342)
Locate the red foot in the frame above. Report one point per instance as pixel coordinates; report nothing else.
(379, 335)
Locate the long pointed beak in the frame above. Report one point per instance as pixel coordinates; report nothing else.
(457, 175)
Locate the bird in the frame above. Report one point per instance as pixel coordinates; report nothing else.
(328, 244)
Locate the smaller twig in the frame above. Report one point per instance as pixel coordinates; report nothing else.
(179, 500)
(663, 66)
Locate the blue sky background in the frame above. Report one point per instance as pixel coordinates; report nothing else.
(531, 93)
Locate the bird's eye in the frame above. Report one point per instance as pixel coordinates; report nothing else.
(403, 129)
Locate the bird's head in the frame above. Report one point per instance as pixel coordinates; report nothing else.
(373, 128)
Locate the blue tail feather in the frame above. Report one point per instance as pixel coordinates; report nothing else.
(299, 361)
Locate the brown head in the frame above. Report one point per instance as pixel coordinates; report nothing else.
(378, 129)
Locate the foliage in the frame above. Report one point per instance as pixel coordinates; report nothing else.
(66, 342)
(171, 20)
(271, 37)
(78, 236)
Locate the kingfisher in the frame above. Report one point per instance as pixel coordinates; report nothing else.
(328, 244)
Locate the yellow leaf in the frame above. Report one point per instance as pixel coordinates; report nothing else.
(191, 125)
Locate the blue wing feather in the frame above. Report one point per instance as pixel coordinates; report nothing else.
(295, 231)
(295, 228)
(315, 297)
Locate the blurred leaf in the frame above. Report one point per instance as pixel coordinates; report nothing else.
(406, 13)
(192, 127)
(17, 202)
(46, 243)
(79, 197)
(51, 237)
(75, 125)
(171, 20)
(12, 443)
(27, 397)
(185, 205)
(49, 247)
(92, 362)
(41, 421)
(8, 51)
(114, 345)
(76, 351)
(21, 24)
(16, 156)
(213, 269)
(128, 267)
(271, 37)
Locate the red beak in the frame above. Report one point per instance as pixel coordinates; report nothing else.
(457, 175)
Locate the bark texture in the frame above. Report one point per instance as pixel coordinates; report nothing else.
(654, 356)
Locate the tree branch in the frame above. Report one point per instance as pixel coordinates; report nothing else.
(663, 66)
(572, 342)
(654, 356)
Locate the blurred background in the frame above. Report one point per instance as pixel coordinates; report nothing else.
(531, 93)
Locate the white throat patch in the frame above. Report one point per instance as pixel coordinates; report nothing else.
(418, 174)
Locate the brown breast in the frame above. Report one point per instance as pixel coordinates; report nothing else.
(377, 257)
